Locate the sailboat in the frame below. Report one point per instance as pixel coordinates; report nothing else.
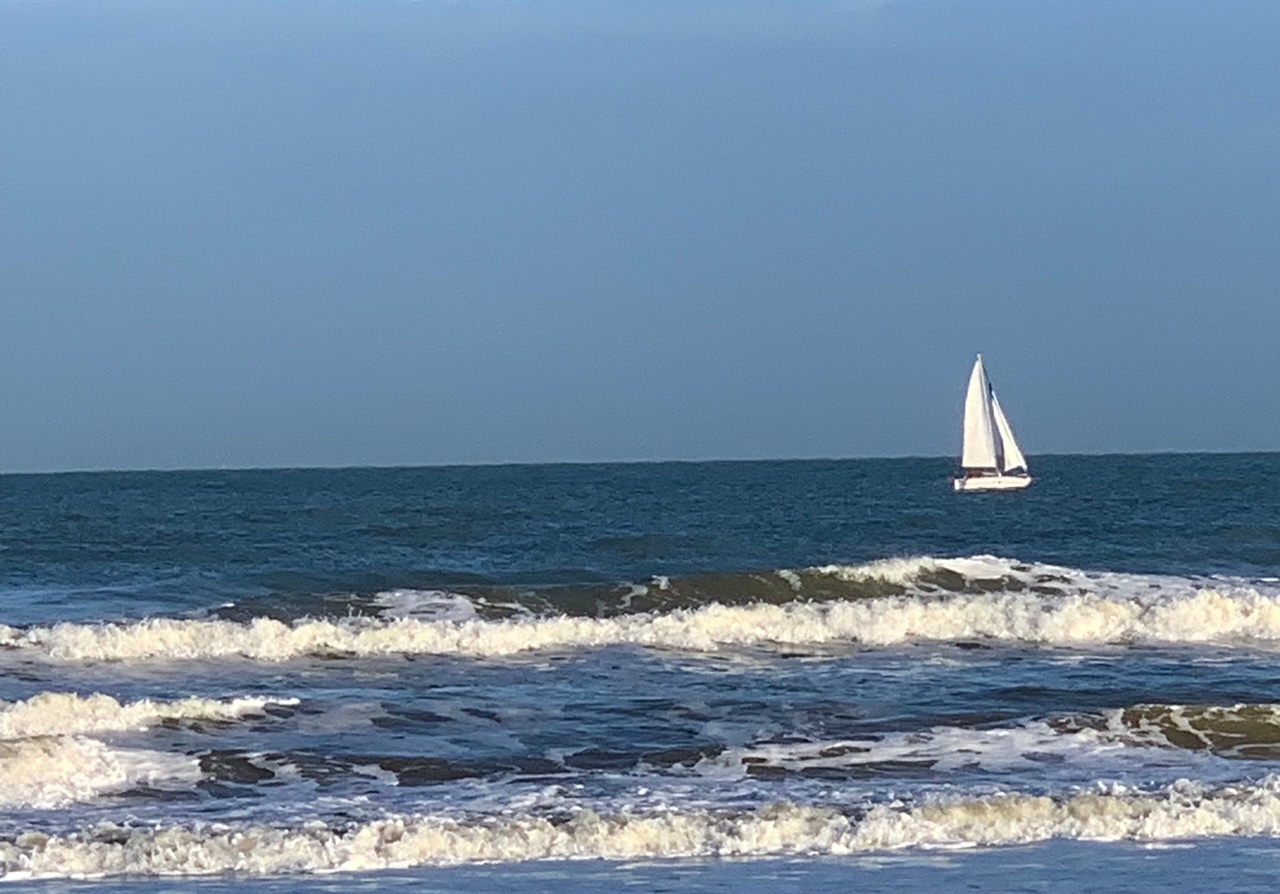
(991, 458)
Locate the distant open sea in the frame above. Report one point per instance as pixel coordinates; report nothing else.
(730, 676)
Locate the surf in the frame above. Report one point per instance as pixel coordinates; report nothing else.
(1184, 810)
(981, 599)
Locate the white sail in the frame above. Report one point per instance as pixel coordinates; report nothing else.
(979, 429)
(992, 459)
(1011, 457)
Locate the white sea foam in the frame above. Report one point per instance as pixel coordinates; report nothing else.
(1101, 743)
(907, 570)
(66, 713)
(434, 605)
(1002, 601)
(1241, 731)
(47, 761)
(942, 749)
(46, 772)
(1185, 810)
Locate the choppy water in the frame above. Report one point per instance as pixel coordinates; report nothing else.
(454, 676)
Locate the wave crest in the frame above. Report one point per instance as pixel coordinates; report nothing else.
(1184, 810)
(1205, 616)
(66, 713)
(47, 772)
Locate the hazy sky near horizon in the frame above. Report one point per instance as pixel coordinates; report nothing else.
(331, 232)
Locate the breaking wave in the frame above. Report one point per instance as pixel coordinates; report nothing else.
(53, 771)
(996, 600)
(48, 758)
(66, 713)
(919, 576)
(1183, 810)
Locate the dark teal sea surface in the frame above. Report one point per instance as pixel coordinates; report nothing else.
(125, 544)
(691, 676)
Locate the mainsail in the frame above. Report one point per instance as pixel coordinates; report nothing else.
(979, 428)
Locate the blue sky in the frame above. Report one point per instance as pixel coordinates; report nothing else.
(248, 233)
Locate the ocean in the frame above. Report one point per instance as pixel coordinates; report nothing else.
(723, 676)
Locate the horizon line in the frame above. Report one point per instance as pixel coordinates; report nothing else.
(589, 462)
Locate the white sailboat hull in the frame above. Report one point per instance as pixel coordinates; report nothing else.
(992, 482)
